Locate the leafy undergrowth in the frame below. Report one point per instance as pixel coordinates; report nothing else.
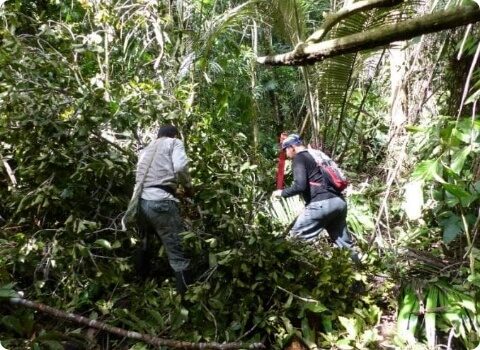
(262, 288)
(252, 283)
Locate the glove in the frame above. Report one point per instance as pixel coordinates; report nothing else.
(277, 193)
(189, 192)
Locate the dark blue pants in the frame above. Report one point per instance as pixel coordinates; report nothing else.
(162, 219)
(329, 214)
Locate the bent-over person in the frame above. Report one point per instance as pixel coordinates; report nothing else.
(325, 208)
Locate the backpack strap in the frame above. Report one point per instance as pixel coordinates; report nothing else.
(137, 191)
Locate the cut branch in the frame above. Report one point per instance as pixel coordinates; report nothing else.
(102, 138)
(431, 23)
(345, 12)
(149, 339)
(9, 171)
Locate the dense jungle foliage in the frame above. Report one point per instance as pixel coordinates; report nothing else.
(84, 86)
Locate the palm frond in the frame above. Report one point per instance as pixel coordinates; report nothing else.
(408, 9)
(140, 29)
(219, 23)
(447, 309)
(337, 76)
(407, 318)
(288, 19)
(460, 314)
(284, 210)
(430, 316)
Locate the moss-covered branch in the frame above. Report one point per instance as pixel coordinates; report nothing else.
(438, 21)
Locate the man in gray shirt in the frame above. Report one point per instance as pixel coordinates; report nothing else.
(162, 166)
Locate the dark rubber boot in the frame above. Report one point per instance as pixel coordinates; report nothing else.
(182, 280)
(142, 260)
(355, 258)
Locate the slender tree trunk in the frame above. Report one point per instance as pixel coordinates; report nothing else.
(344, 106)
(398, 92)
(360, 110)
(253, 86)
(310, 104)
(272, 93)
(398, 116)
(308, 90)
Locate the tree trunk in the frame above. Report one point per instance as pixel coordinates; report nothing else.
(398, 91)
(254, 98)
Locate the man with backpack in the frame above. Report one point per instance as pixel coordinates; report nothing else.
(325, 207)
(162, 166)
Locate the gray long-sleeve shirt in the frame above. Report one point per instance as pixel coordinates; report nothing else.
(162, 163)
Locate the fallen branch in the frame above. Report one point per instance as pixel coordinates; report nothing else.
(149, 339)
(345, 12)
(102, 138)
(307, 300)
(9, 171)
(310, 53)
(475, 230)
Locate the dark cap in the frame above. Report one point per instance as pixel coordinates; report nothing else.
(291, 140)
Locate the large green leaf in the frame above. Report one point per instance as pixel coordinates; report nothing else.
(467, 130)
(428, 170)
(7, 291)
(464, 197)
(459, 159)
(350, 324)
(317, 307)
(452, 227)
(103, 243)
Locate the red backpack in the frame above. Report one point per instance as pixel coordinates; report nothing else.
(334, 176)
